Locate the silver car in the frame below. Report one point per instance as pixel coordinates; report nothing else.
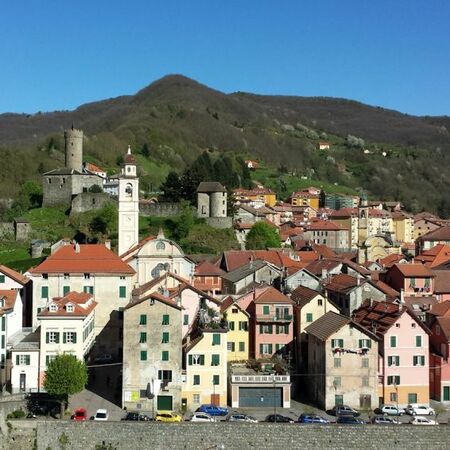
(391, 410)
(241, 418)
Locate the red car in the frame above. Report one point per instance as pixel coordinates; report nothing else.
(79, 415)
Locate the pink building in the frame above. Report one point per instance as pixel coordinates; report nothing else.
(413, 279)
(272, 323)
(403, 369)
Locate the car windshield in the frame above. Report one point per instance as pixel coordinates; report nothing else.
(79, 413)
(101, 415)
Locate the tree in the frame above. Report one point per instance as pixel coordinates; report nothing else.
(261, 236)
(145, 150)
(172, 188)
(65, 375)
(95, 189)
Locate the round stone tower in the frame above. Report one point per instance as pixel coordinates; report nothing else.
(74, 149)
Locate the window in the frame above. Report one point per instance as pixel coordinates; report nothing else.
(3, 341)
(231, 326)
(215, 360)
(165, 338)
(69, 337)
(393, 360)
(393, 341)
(49, 359)
(2, 278)
(337, 362)
(234, 310)
(186, 319)
(393, 396)
(165, 319)
(45, 276)
(338, 400)
(22, 360)
(66, 290)
(3, 323)
(216, 380)
(419, 360)
(216, 339)
(52, 337)
(337, 343)
(243, 326)
(319, 302)
(412, 397)
(196, 360)
(365, 381)
(265, 349)
(266, 310)
(365, 343)
(143, 319)
(143, 355)
(365, 363)
(393, 379)
(87, 276)
(53, 308)
(266, 329)
(165, 375)
(122, 292)
(337, 382)
(142, 338)
(196, 380)
(196, 398)
(164, 355)
(69, 307)
(242, 346)
(44, 292)
(67, 276)
(309, 317)
(89, 289)
(418, 341)
(230, 346)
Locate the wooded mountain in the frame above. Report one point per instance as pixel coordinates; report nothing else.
(179, 118)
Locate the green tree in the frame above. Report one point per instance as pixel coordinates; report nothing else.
(172, 188)
(65, 375)
(145, 150)
(261, 236)
(184, 223)
(105, 221)
(95, 189)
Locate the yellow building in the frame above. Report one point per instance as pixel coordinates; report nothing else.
(403, 225)
(238, 340)
(256, 196)
(308, 197)
(206, 369)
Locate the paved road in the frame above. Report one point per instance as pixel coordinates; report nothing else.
(91, 402)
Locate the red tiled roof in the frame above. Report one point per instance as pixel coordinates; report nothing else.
(324, 225)
(444, 323)
(341, 282)
(302, 295)
(16, 276)
(9, 296)
(206, 268)
(382, 286)
(435, 256)
(272, 295)
(345, 212)
(441, 309)
(390, 260)
(93, 168)
(414, 270)
(442, 281)
(323, 251)
(91, 258)
(316, 267)
(441, 234)
(82, 302)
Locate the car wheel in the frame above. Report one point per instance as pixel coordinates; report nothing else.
(431, 413)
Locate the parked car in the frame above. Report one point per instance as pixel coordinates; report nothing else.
(201, 417)
(167, 416)
(135, 416)
(101, 415)
(384, 420)
(79, 415)
(103, 358)
(391, 410)
(342, 410)
(349, 420)
(422, 421)
(311, 418)
(213, 410)
(241, 418)
(278, 418)
(414, 409)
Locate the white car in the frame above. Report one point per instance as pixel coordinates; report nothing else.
(414, 409)
(202, 417)
(422, 421)
(241, 418)
(101, 415)
(391, 410)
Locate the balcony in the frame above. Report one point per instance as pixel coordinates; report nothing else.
(268, 379)
(274, 318)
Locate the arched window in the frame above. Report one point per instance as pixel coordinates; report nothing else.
(129, 189)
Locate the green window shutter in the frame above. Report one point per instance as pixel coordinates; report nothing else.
(47, 338)
(266, 310)
(277, 329)
(27, 360)
(261, 349)
(165, 355)
(393, 341)
(17, 360)
(216, 339)
(2, 278)
(415, 360)
(261, 329)
(122, 291)
(309, 317)
(143, 355)
(215, 360)
(165, 319)
(397, 360)
(143, 319)
(270, 349)
(165, 337)
(270, 329)
(3, 323)
(190, 360)
(242, 346)
(66, 290)
(74, 338)
(64, 338)
(216, 379)
(418, 341)
(360, 343)
(47, 360)
(44, 292)
(196, 380)
(286, 329)
(231, 325)
(57, 338)
(202, 360)
(186, 319)
(143, 338)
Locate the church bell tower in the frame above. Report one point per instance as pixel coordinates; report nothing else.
(128, 204)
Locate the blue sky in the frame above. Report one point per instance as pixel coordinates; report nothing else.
(393, 53)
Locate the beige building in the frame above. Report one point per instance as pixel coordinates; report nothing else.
(67, 326)
(152, 361)
(93, 269)
(342, 363)
(238, 321)
(403, 226)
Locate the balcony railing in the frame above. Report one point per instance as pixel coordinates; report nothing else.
(274, 317)
(269, 379)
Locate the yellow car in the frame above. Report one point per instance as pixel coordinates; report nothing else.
(167, 416)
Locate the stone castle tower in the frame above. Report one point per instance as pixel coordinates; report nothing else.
(73, 146)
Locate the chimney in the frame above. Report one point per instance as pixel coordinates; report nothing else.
(77, 247)
(402, 296)
(324, 274)
(358, 281)
(108, 244)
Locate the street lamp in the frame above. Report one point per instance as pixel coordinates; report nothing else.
(396, 398)
(274, 397)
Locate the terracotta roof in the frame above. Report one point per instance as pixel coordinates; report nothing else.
(382, 286)
(272, 295)
(390, 260)
(177, 291)
(252, 192)
(316, 267)
(417, 304)
(356, 267)
(425, 215)
(323, 251)
(324, 225)
(210, 186)
(93, 168)
(83, 304)
(327, 325)
(441, 309)
(238, 258)
(441, 234)
(136, 300)
(16, 276)
(146, 288)
(91, 258)
(414, 270)
(444, 323)
(129, 157)
(138, 246)
(302, 295)
(206, 268)
(229, 302)
(442, 281)
(341, 282)
(9, 297)
(435, 256)
(345, 212)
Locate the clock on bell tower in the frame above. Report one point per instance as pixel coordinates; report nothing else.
(128, 204)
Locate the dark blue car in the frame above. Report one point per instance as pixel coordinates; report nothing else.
(310, 418)
(213, 410)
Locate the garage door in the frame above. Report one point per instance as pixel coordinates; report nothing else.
(164, 403)
(260, 396)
